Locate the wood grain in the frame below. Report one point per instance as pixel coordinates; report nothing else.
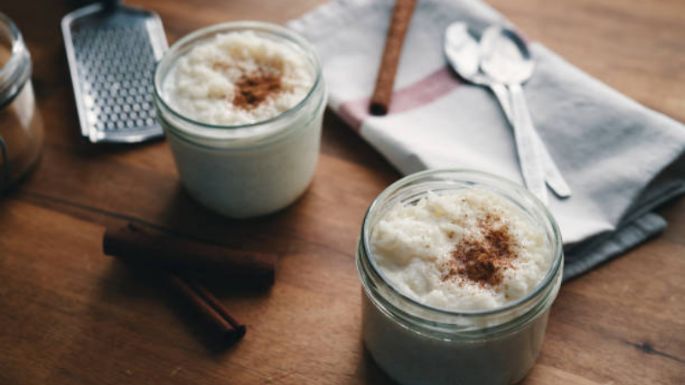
(70, 315)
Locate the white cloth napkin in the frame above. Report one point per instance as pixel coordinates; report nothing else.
(620, 158)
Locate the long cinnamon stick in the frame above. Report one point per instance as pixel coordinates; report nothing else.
(385, 80)
(153, 248)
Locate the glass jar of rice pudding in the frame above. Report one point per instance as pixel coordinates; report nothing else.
(459, 270)
(241, 104)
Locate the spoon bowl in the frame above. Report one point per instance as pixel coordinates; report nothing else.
(463, 53)
(505, 56)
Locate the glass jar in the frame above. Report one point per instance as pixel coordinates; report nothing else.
(251, 169)
(21, 128)
(418, 344)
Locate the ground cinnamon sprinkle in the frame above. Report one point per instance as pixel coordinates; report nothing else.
(482, 260)
(252, 89)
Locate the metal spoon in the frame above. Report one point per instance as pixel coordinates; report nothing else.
(506, 59)
(463, 53)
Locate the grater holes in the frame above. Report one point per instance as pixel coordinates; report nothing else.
(117, 65)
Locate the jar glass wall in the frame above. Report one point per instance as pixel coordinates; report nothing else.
(21, 128)
(250, 169)
(418, 344)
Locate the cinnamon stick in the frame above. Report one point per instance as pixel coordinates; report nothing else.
(150, 247)
(209, 307)
(385, 80)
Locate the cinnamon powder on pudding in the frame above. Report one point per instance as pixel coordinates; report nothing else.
(483, 259)
(253, 89)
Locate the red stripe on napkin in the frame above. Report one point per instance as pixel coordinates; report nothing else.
(415, 95)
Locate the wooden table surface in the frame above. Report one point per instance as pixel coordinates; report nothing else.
(70, 315)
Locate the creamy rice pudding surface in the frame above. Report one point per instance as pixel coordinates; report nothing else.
(466, 250)
(237, 78)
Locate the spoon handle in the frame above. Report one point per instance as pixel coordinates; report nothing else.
(527, 148)
(555, 180)
(500, 91)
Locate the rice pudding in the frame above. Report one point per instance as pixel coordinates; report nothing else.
(238, 78)
(459, 270)
(242, 104)
(465, 250)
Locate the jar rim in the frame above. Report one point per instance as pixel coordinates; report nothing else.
(268, 28)
(478, 176)
(14, 72)
(14, 36)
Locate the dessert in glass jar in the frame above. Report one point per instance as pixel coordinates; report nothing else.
(459, 270)
(242, 104)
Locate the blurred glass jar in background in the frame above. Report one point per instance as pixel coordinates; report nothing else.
(21, 128)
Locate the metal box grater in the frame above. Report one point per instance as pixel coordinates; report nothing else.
(112, 52)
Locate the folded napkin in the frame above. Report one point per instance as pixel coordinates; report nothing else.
(620, 158)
